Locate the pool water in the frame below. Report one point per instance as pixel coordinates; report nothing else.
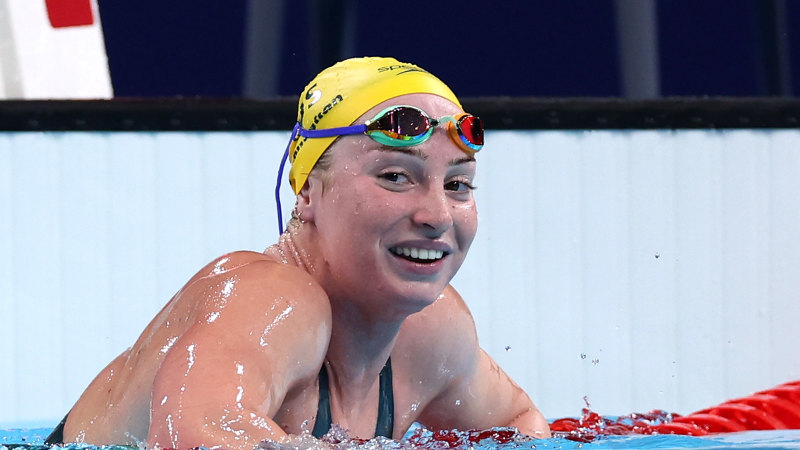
(498, 438)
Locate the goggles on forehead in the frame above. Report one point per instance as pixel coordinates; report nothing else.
(403, 126)
(397, 126)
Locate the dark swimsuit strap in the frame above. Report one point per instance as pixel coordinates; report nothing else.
(385, 423)
(57, 435)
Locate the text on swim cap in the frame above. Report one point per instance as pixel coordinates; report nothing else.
(317, 118)
(410, 68)
(314, 97)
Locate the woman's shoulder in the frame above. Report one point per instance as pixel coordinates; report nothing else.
(445, 329)
(253, 302)
(253, 281)
(259, 269)
(238, 260)
(437, 347)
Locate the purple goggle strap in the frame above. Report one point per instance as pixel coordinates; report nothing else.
(299, 131)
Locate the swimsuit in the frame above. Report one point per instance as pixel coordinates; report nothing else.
(384, 426)
(385, 423)
(57, 435)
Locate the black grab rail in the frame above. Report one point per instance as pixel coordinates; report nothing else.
(210, 114)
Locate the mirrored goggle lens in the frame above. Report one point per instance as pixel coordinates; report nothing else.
(402, 123)
(471, 128)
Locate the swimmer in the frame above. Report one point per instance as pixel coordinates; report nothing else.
(349, 318)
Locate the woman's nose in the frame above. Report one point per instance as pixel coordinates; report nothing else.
(434, 212)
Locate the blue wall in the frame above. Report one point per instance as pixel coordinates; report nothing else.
(516, 48)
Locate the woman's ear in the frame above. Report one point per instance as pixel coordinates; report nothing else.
(308, 198)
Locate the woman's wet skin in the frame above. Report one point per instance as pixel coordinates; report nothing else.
(379, 203)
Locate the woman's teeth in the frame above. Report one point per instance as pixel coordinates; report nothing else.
(418, 253)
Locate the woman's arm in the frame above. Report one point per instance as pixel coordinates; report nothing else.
(477, 393)
(223, 380)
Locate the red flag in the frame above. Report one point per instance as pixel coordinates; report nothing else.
(69, 13)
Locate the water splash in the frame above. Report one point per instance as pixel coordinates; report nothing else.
(591, 425)
(418, 437)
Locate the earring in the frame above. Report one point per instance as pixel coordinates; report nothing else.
(297, 215)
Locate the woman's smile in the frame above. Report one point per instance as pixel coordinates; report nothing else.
(419, 255)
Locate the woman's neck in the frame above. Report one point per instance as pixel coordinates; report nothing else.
(361, 339)
(288, 251)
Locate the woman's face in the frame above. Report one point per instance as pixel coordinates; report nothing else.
(395, 222)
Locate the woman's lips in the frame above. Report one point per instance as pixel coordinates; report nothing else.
(418, 254)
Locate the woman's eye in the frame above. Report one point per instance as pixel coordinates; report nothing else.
(459, 186)
(394, 177)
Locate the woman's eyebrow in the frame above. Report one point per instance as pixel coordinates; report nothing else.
(404, 150)
(418, 154)
(463, 160)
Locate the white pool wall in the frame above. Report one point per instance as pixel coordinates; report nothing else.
(638, 269)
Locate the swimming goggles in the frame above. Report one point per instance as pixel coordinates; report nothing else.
(403, 126)
(397, 126)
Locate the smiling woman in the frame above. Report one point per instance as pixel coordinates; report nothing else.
(350, 317)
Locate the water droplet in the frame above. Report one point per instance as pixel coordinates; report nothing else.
(282, 253)
(219, 267)
(583, 355)
(212, 317)
(458, 402)
(190, 358)
(508, 348)
(595, 361)
(658, 255)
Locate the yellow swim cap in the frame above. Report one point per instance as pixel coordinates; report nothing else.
(343, 92)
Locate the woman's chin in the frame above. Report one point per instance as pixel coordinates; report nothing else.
(415, 300)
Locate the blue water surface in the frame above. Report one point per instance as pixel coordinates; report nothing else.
(33, 439)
